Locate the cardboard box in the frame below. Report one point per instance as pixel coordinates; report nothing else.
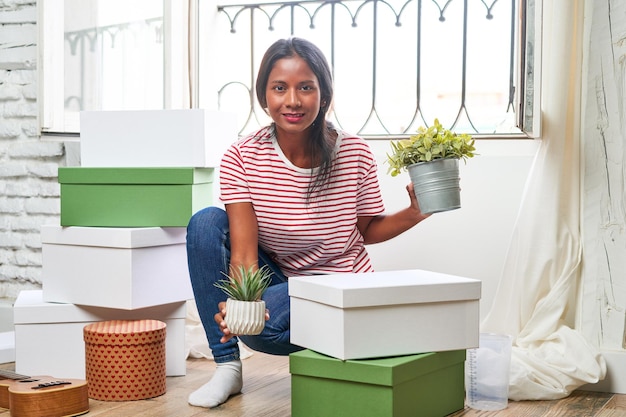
(425, 385)
(380, 314)
(49, 336)
(133, 197)
(155, 138)
(124, 268)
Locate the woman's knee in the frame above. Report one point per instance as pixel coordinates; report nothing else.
(209, 218)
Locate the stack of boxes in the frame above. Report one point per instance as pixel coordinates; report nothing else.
(383, 344)
(119, 251)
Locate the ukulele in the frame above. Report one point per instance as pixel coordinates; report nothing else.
(42, 396)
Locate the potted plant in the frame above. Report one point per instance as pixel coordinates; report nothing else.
(431, 157)
(245, 311)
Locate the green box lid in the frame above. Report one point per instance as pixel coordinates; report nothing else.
(383, 371)
(166, 175)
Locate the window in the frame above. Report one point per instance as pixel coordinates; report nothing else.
(112, 54)
(397, 64)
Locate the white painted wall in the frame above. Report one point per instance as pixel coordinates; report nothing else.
(473, 240)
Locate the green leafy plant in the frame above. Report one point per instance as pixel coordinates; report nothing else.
(245, 284)
(434, 142)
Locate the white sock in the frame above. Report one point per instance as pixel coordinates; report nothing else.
(226, 381)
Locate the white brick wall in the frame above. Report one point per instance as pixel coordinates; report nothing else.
(29, 192)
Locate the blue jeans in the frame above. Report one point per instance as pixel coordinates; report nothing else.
(208, 255)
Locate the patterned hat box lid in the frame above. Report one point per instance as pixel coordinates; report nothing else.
(125, 359)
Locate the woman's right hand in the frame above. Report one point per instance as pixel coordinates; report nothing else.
(221, 322)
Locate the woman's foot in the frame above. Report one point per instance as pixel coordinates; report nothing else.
(226, 381)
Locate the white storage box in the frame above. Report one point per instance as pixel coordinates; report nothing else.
(7, 347)
(49, 336)
(380, 314)
(155, 138)
(112, 267)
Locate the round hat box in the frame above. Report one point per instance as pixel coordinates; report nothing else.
(125, 359)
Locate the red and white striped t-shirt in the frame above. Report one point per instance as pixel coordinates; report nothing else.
(305, 238)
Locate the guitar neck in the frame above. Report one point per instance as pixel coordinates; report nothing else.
(4, 374)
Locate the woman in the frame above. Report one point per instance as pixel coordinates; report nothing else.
(301, 197)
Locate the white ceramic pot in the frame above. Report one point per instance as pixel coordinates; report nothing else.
(245, 317)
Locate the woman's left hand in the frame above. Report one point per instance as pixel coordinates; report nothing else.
(414, 203)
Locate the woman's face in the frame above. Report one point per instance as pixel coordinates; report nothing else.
(293, 95)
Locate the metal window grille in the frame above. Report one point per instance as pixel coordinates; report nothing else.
(397, 64)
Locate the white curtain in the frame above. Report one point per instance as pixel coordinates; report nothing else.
(536, 296)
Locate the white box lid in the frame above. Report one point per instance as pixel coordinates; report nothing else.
(115, 237)
(29, 308)
(155, 138)
(351, 290)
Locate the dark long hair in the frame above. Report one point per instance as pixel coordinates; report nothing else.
(321, 141)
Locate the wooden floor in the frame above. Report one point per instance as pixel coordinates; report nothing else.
(266, 393)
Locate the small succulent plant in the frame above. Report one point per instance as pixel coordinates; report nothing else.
(246, 284)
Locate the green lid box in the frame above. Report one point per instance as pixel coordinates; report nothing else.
(133, 197)
(425, 385)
